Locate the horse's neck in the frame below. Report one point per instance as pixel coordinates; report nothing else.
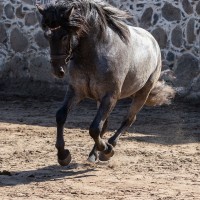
(90, 43)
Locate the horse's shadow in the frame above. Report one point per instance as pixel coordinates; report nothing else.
(49, 173)
(165, 125)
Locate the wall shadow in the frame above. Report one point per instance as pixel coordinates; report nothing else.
(178, 123)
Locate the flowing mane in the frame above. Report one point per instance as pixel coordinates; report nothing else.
(86, 15)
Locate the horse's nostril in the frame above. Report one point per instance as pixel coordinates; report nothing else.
(61, 72)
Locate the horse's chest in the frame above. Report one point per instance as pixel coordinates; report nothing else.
(86, 87)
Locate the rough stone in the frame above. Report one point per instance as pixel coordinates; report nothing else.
(1, 9)
(193, 95)
(155, 19)
(40, 40)
(198, 8)
(25, 9)
(9, 11)
(146, 18)
(40, 69)
(177, 36)
(30, 19)
(187, 7)
(18, 41)
(30, 2)
(170, 12)
(3, 34)
(170, 56)
(19, 13)
(187, 68)
(17, 67)
(190, 31)
(161, 37)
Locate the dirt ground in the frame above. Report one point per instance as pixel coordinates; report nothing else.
(157, 159)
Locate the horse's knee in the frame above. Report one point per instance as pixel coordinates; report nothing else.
(61, 116)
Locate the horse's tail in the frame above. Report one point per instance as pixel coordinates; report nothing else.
(160, 94)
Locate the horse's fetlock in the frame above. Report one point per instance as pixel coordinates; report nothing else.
(101, 148)
(60, 145)
(112, 141)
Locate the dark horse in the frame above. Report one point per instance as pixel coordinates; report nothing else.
(105, 60)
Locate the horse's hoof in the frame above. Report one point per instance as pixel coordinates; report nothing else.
(92, 158)
(65, 161)
(105, 156)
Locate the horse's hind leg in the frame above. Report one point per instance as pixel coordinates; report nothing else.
(139, 101)
(71, 100)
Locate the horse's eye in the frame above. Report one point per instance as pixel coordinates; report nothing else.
(64, 39)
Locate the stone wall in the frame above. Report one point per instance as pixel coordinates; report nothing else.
(23, 49)
(175, 24)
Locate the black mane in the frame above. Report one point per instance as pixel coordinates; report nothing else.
(88, 13)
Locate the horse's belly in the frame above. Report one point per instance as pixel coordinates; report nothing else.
(134, 81)
(130, 88)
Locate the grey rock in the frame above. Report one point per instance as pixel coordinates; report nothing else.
(170, 56)
(190, 31)
(40, 69)
(170, 12)
(40, 40)
(30, 19)
(1, 9)
(9, 11)
(187, 68)
(146, 18)
(155, 19)
(3, 33)
(19, 12)
(193, 95)
(161, 37)
(25, 9)
(30, 2)
(17, 67)
(18, 41)
(198, 8)
(187, 7)
(177, 36)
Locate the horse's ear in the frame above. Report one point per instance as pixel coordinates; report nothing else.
(40, 9)
(69, 13)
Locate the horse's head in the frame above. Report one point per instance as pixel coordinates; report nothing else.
(60, 48)
(59, 32)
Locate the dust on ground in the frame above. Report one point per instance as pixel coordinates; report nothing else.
(157, 159)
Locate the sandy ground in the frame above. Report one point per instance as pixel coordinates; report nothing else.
(158, 159)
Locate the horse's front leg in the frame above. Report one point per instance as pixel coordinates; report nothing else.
(93, 156)
(97, 127)
(64, 156)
